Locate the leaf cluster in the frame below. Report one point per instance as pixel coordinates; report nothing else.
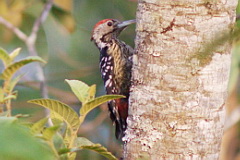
(64, 115)
(7, 92)
(54, 136)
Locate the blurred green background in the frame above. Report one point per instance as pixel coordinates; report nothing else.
(64, 42)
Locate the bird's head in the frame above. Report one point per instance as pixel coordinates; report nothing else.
(105, 30)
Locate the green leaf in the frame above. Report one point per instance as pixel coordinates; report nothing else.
(72, 156)
(13, 83)
(56, 118)
(63, 110)
(5, 97)
(58, 140)
(17, 143)
(100, 150)
(38, 126)
(66, 129)
(79, 88)
(91, 92)
(49, 132)
(4, 56)
(83, 143)
(11, 69)
(8, 97)
(96, 102)
(63, 153)
(87, 107)
(7, 120)
(14, 54)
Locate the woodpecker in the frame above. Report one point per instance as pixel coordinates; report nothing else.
(115, 66)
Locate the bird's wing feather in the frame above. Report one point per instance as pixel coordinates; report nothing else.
(107, 70)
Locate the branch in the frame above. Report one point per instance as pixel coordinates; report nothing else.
(32, 38)
(14, 29)
(42, 17)
(32, 48)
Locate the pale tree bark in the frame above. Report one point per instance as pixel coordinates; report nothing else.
(180, 77)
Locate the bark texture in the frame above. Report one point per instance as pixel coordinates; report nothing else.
(177, 104)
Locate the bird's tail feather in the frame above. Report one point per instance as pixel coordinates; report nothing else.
(118, 113)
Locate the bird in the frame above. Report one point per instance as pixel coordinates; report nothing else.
(115, 67)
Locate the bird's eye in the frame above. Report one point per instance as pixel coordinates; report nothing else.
(109, 23)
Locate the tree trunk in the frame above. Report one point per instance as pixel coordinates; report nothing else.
(180, 77)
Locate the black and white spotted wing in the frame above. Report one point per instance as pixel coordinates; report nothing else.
(106, 68)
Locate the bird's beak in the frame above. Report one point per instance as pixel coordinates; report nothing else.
(124, 24)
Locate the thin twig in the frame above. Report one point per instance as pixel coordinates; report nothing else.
(42, 17)
(30, 41)
(14, 29)
(32, 37)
